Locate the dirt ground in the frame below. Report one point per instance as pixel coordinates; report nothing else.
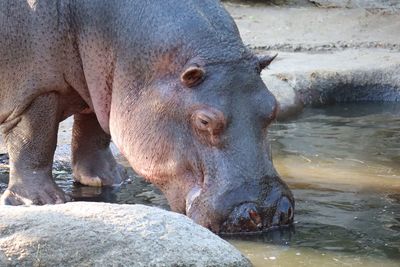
(299, 28)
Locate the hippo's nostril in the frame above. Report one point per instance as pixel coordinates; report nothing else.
(243, 218)
(290, 213)
(284, 212)
(255, 217)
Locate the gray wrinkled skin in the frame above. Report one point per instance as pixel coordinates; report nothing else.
(170, 81)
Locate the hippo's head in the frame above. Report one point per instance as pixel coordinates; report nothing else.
(183, 100)
(199, 133)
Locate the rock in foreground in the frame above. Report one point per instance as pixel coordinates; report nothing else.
(99, 234)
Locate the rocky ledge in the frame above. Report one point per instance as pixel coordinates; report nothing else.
(314, 79)
(99, 234)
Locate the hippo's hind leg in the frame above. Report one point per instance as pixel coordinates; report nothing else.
(31, 141)
(92, 161)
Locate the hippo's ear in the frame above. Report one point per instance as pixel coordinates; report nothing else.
(265, 61)
(192, 76)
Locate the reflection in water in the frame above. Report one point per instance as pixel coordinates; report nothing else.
(342, 163)
(133, 191)
(348, 144)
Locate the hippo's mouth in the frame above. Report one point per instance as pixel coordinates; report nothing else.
(245, 217)
(250, 218)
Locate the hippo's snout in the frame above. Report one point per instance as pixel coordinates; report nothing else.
(249, 217)
(255, 207)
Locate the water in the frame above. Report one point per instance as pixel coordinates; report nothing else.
(342, 163)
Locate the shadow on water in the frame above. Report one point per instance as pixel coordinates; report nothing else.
(342, 163)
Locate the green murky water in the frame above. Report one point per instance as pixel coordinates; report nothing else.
(343, 165)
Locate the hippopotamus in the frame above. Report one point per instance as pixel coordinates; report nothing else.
(169, 82)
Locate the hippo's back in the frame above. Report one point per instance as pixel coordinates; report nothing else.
(203, 27)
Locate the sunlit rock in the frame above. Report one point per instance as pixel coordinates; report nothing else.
(99, 234)
(298, 79)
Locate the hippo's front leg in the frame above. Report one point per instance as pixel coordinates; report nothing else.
(31, 140)
(92, 161)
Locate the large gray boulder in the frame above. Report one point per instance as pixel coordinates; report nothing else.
(99, 234)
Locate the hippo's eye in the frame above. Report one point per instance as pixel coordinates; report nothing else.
(192, 76)
(204, 122)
